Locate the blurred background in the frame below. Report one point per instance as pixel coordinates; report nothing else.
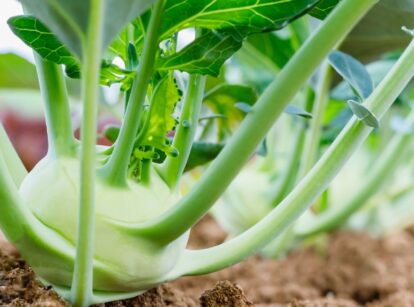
(15, 113)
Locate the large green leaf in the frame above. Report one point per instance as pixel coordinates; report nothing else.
(37, 36)
(323, 8)
(70, 19)
(204, 56)
(244, 16)
(16, 72)
(235, 20)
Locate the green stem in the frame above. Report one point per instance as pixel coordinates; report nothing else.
(283, 242)
(278, 192)
(56, 106)
(283, 187)
(173, 168)
(12, 161)
(82, 283)
(383, 169)
(311, 151)
(115, 171)
(253, 129)
(309, 188)
(12, 215)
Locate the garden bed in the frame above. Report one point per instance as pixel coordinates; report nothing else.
(346, 269)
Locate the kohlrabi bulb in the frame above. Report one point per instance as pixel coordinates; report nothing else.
(246, 200)
(122, 261)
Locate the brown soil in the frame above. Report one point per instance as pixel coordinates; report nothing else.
(347, 269)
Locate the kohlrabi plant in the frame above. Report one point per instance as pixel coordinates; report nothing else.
(261, 185)
(102, 223)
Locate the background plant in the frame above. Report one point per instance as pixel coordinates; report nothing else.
(246, 203)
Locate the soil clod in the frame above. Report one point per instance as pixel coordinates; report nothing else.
(224, 294)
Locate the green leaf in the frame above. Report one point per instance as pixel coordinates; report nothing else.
(202, 153)
(353, 72)
(294, 110)
(119, 46)
(261, 58)
(37, 36)
(70, 19)
(111, 132)
(17, 72)
(323, 8)
(132, 57)
(274, 48)
(365, 115)
(204, 56)
(160, 118)
(223, 99)
(244, 16)
(132, 33)
(377, 70)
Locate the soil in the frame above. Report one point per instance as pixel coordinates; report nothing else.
(346, 269)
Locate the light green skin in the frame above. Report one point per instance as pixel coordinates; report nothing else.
(245, 202)
(122, 262)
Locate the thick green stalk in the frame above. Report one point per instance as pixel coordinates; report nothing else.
(115, 171)
(309, 188)
(82, 283)
(311, 151)
(253, 129)
(383, 169)
(56, 106)
(174, 166)
(12, 161)
(12, 215)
